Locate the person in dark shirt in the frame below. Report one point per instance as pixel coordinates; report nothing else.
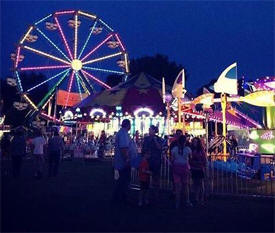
(18, 151)
(55, 148)
(152, 146)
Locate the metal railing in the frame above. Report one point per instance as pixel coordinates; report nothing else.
(242, 175)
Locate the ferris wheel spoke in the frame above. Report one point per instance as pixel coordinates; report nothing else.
(87, 40)
(103, 70)
(97, 47)
(70, 87)
(63, 37)
(75, 35)
(43, 67)
(52, 89)
(49, 79)
(78, 85)
(102, 58)
(81, 81)
(96, 79)
(84, 85)
(45, 54)
(52, 43)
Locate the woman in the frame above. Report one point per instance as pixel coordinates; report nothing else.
(198, 168)
(181, 170)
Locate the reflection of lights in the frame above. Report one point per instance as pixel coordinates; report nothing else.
(147, 110)
(77, 110)
(253, 147)
(269, 147)
(254, 135)
(97, 110)
(267, 135)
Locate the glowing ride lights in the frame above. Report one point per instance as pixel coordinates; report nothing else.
(267, 135)
(68, 115)
(97, 110)
(142, 110)
(254, 135)
(76, 65)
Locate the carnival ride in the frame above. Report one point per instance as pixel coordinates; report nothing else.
(73, 59)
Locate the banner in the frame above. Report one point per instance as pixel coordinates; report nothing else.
(73, 98)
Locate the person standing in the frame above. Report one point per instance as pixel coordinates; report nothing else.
(144, 180)
(39, 142)
(55, 148)
(180, 156)
(122, 168)
(198, 164)
(18, 151)
(5, 150)
(152, 146)
(102, 144)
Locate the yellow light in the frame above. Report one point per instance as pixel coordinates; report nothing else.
(46, 54)
(75, 36)
(86, 14)
(260, 98)
(126, 63)
(76, 64)
(28, 32)
(102, 58)
(30, 102)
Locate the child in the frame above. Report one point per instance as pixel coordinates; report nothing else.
(144, 178)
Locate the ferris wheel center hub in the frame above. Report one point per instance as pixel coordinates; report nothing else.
(76, 64)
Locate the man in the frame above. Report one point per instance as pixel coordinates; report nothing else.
(18, 150)
(39, 142)
(55, 148)
(152, 146)
(122, 167)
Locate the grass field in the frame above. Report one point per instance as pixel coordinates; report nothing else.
(78, 200)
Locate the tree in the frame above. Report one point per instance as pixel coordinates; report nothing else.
(157, 66)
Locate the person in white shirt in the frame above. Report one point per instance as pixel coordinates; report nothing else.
(39, 142)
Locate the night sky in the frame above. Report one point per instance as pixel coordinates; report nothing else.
(203, 36)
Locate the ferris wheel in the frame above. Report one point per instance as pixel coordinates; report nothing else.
(71, 51)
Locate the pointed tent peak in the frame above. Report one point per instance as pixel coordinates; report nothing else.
(142, 81)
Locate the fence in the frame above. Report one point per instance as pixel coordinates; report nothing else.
(245, 176)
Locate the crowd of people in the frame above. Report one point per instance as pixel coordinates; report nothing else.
(186, 156)
(14, 147)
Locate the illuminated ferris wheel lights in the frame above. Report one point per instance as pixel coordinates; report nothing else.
(70, 87)
(43, 19)
(30, 102)
(103, 70)
(102, 58)
(48, 80)
(87, 14)
(119, 41)
(43, 67)
(52, 43)
(30, 29)
(75, 35)
(105, 24)
(98, 46)
(64, 12)
(63, 37)
(18, 57)
(97, 80)
(19, 81)
(45, 54)
(76, 64)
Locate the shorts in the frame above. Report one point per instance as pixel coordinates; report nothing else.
(197, 174)
(181, 174)
(144, 185)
